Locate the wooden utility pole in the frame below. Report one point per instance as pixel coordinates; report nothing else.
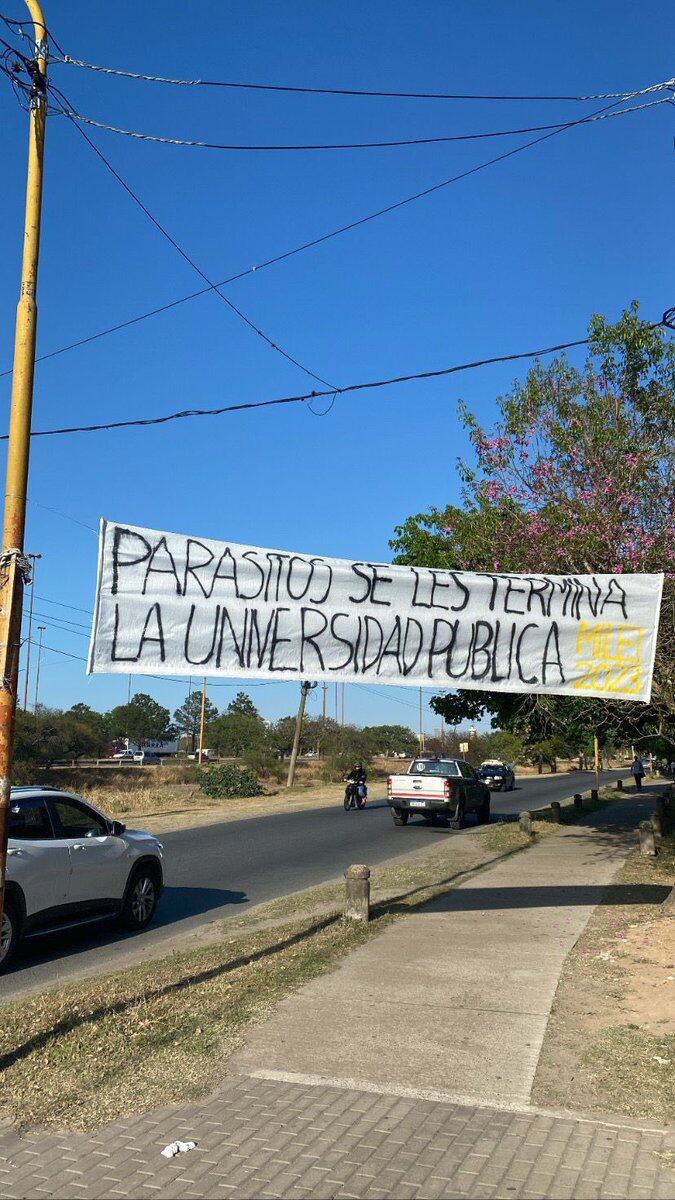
(13, 564)
(325, 700)
(305, 687)
(202, 722)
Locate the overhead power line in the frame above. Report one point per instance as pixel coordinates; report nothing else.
(213, 287)
(379, 145)
(326, 91)
(312, 243)
(667, 321)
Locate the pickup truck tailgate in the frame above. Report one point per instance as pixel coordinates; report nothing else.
(417, 787)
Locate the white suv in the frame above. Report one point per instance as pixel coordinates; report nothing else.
(68, 863)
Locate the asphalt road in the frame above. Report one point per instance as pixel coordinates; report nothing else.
(215, 871)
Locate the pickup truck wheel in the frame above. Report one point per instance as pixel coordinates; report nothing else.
(460, 816)
(483, 813)
(9, 933)
(400, 816)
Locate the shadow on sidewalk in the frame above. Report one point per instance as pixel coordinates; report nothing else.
(502, 899)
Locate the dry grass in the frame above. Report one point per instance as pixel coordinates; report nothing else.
(610, 1042)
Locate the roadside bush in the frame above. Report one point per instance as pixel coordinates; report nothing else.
(229, 781)
(263, 763)
(336, 766)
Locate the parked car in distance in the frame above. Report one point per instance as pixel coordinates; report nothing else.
(123, 756)
(147, 758)
(207, 755)
(499, 776)
(448, 788)
(69, 864)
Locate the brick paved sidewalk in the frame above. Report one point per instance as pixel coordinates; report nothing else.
(258, 1138)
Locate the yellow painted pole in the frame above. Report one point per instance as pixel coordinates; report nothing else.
(596, 755)
(13, 564)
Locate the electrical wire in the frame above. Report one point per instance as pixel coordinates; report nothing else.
(60, 604)
(162, 678)
(312, 244)
(667, 321)
(213, 287)
(399, 143)
(325, 91)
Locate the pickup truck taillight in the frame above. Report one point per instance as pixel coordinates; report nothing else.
(447, 788)
(389, 786)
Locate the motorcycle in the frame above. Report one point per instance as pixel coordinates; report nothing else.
(356, 795)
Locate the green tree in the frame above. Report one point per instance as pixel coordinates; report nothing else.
(141, 720)
(503, 744)
(566, 482)
(96, 723)
(48, 735)
(188, 717)
(391, 739)
(233, 733)
(243, 705)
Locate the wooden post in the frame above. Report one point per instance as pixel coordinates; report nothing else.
(578, 800)
(525, 823)
(555, 812)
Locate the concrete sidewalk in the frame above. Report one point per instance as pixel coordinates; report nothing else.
(456, 997)
(406, 1073)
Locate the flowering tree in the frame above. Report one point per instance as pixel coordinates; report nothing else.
(578, 475)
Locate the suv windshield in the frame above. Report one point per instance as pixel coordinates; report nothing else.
(492, 770)
(425, 766)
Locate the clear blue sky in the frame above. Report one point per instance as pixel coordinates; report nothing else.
(515, 257)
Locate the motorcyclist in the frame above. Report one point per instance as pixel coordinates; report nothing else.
(354, 779)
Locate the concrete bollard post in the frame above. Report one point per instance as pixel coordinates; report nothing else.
(647, 840)
(578, 800)
(663, 813)
(594, 795)
(357, 893)
(525, 824)
(555, 812)
(657, 825)
(619, 785)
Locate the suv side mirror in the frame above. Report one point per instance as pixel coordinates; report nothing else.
(117, 828)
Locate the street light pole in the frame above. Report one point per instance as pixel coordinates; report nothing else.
(202, 722)
(13, 564)
(41, 629)
(30, 629)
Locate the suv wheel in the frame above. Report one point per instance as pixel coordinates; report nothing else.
(141, 898)
(9, 933)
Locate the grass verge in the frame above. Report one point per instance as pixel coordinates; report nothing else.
(610, 1041)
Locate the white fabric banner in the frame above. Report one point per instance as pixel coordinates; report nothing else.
(170, 604)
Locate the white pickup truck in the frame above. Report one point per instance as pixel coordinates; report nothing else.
(438, 787)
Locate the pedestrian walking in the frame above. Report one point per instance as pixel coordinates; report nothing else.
(638, 772)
